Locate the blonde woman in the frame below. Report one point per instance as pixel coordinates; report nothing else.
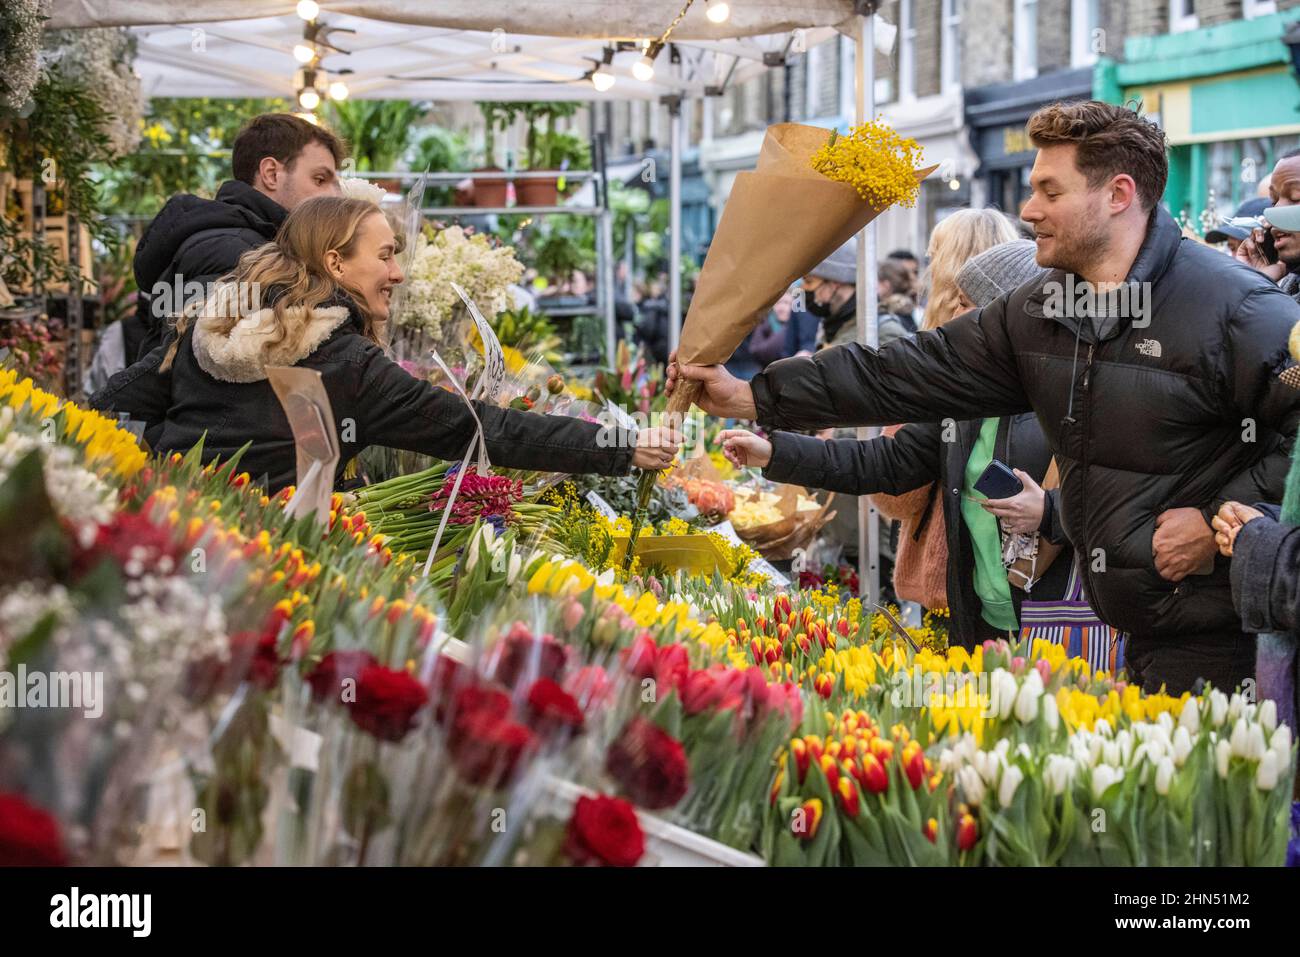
(951, 544)
(325, 286)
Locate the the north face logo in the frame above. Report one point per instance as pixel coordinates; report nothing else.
(1149, 347)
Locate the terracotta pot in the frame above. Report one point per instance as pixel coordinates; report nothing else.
(538, 192)
(489, 190)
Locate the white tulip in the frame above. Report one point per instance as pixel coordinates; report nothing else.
(1218, 707)
(1011, 778)
(1268, 715)
(1051, 713)
(1255, 743)
(1023, 751)
(1266, 775)
(972, 785)
(1182, 746)
(1103, 728)
(1094, 751)
(1164, 776)
(471, 554)
(1111, 754)
(1222, 754)
(1235, 705)
(1059, 773)
(1165, 722)
(513, 567)
(1190, 717)
(1002, 693)
(1103, 776)
(1031, 689)
(1124, 741)
(1281, 743)
(1240, 740)
(1001, 748)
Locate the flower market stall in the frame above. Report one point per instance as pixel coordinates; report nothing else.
(458, 664)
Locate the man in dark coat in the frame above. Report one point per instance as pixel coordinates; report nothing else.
(278, 160)
(1158, 395)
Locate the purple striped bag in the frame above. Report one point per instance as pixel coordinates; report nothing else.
(1071, 622)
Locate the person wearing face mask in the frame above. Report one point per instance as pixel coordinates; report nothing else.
(830, 294)
(1283, 217)
(325, 286)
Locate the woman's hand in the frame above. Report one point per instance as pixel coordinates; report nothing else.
(656, 448)
(1022, 512)
(744, 448)
(1231, 519)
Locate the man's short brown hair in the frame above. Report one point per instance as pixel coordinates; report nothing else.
(1110, 140)
(279, 135)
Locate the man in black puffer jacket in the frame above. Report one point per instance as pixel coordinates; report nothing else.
(1159, 406)
(278, 160)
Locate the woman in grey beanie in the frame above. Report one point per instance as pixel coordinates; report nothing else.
(957, 533)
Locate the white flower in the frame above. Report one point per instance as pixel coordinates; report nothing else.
(1236, 704)
(972, 785)
(1266, 774)
(1281, 743)
(1103, 776)
(513, 566)
(1218, 707)
(1059, 773)
(1051, 713)
(1182, 746)
(1240, 740)
(1164, 776)
(1002, 693)
(1222, 755)
(354, 187)
(1103, 728)
(1031, 689)
(1190, 719)
(1256, 743)
(1165, 722)
(1268, 715)
(1124, 741)
(1011, 778)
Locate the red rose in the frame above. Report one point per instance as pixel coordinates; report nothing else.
(487, 748)
(522, 655)
(551, 708)
(475, 700)
(649, 764)
(327, 678)
(387, 702)
(604, 831)
(29, 837)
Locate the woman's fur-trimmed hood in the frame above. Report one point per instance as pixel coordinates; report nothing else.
(244, 354)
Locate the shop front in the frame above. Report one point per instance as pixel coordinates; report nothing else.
(996, 116)
(1228, 100)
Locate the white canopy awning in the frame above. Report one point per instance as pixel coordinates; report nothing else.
(451, 49)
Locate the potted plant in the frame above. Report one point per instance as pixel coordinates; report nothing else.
(492, 190)
(379, 132)
(547, 149)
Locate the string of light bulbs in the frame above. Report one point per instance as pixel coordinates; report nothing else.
(602, 77)
(311, 81)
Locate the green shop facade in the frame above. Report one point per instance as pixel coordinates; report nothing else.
(1227, 97)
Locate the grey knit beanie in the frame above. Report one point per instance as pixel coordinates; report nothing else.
(841, 265)
(998, 270)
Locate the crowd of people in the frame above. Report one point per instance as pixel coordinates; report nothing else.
(1125, 452)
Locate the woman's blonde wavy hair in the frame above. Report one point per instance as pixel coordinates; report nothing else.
(961, 236)
(294, 266)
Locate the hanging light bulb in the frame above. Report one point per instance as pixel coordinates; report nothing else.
(718, 11)
(644, 69)
(338, 90)
(603, 78)
(308, 98)
(303, 53)
(308, 9)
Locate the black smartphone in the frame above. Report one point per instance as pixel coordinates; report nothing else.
(1267, 247)
(998, 481)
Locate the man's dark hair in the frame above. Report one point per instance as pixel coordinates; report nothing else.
(905, 254)
(1110, 140)
(895, 273)
(279, 135)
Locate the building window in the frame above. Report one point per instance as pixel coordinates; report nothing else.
(906, 51)
(1025, 40)
(950, 46)
(1257, 8)
(1085, 20)
(1182, 16)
